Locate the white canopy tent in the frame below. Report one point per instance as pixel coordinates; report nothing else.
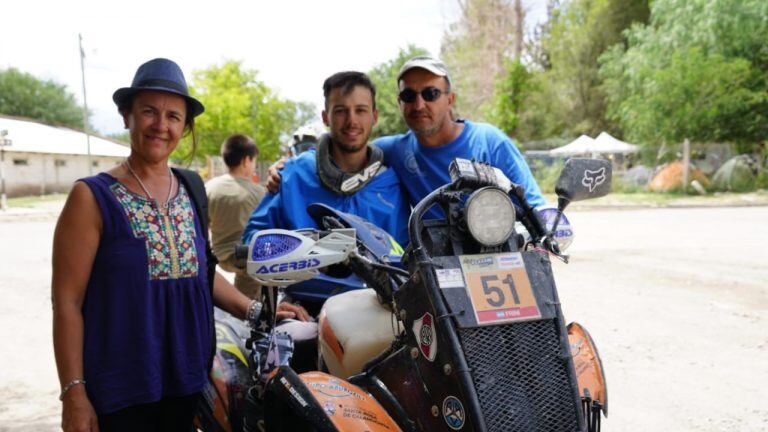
(603, 144)
(580, 145)
(607, 144)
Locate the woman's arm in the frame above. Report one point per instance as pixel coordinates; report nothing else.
(227, 297)
(74, 248)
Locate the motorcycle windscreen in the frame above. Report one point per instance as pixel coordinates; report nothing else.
(378, 241)
(589, 368)
(323, 286)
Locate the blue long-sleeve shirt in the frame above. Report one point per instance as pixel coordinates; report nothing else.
(381, 201)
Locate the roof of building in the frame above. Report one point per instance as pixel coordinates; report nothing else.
(35, 137)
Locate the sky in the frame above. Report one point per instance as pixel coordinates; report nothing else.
(293, 44)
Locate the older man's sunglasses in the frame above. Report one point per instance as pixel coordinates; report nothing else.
(429, 94)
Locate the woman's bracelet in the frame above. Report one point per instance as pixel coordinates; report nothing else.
(254, 310)
(69, 386)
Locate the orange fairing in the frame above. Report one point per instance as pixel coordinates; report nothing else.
(589, 368)
(348, 406)
(327, 334)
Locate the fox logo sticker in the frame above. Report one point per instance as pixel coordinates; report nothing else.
(593, 179)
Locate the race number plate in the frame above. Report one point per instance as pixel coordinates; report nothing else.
(499, 289)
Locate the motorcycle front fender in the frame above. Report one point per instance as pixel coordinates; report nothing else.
(322, 402)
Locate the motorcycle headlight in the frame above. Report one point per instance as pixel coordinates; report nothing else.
(490, 216)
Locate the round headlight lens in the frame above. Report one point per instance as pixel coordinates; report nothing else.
(490, 216)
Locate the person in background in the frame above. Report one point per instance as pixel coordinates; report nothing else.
(305, 138)
(134, 279)
(232, 197)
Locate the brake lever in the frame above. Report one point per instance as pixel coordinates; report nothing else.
(551, 246)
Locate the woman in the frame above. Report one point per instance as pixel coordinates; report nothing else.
(132, 322)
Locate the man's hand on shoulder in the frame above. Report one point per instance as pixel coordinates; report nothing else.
(273, 175)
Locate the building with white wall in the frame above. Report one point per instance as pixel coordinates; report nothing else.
(45, 159)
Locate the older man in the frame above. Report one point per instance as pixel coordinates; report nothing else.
(421, 156)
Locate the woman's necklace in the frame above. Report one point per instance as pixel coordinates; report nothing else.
(164, 206)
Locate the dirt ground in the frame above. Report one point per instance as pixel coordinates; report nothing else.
(676, 300)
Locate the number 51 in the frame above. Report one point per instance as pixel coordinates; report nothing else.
(490, 290)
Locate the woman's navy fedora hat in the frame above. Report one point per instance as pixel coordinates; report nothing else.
(159, 75)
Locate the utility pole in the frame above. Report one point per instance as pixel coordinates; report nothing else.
(4, 142)
(85, 105)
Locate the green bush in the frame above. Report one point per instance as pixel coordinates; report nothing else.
(546, 175)
(618, 186)
(762, 179)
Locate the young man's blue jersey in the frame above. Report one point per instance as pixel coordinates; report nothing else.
(381, 201)
(423, 169)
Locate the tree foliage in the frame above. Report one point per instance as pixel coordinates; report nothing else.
(384, 77)
(476, 49)
(237, 102)
(697, 71)
(567, 97)
(24, 95)
(511, 89)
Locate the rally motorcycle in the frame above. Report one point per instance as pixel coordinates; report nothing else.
(468, 335)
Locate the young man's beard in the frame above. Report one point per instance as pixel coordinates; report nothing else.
(349, 148)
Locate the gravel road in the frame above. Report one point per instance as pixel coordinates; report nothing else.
(676, 300)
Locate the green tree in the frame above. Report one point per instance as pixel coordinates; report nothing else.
(568, 98)
(384, 76)
(24, 95)
(697, 71)
(237, 102)
(511, 90)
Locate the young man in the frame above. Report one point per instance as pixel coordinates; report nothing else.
(344, 172)
(421, 156)
(232, 197)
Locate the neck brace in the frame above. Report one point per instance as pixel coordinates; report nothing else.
(339, 181)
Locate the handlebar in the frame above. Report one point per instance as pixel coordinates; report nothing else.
(528, 216)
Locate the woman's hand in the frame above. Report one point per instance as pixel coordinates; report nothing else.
(77, 414)
(287, 310)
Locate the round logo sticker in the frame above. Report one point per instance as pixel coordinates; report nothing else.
(453, 413)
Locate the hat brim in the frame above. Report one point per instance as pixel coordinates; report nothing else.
(122, 95)
(429, 68)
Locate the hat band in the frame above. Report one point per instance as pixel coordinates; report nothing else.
(163, 83)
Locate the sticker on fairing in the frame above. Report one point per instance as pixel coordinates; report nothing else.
(453, 413)
(450, 278)
(424, 330)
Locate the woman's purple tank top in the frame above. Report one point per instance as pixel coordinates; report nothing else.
(147, 308)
